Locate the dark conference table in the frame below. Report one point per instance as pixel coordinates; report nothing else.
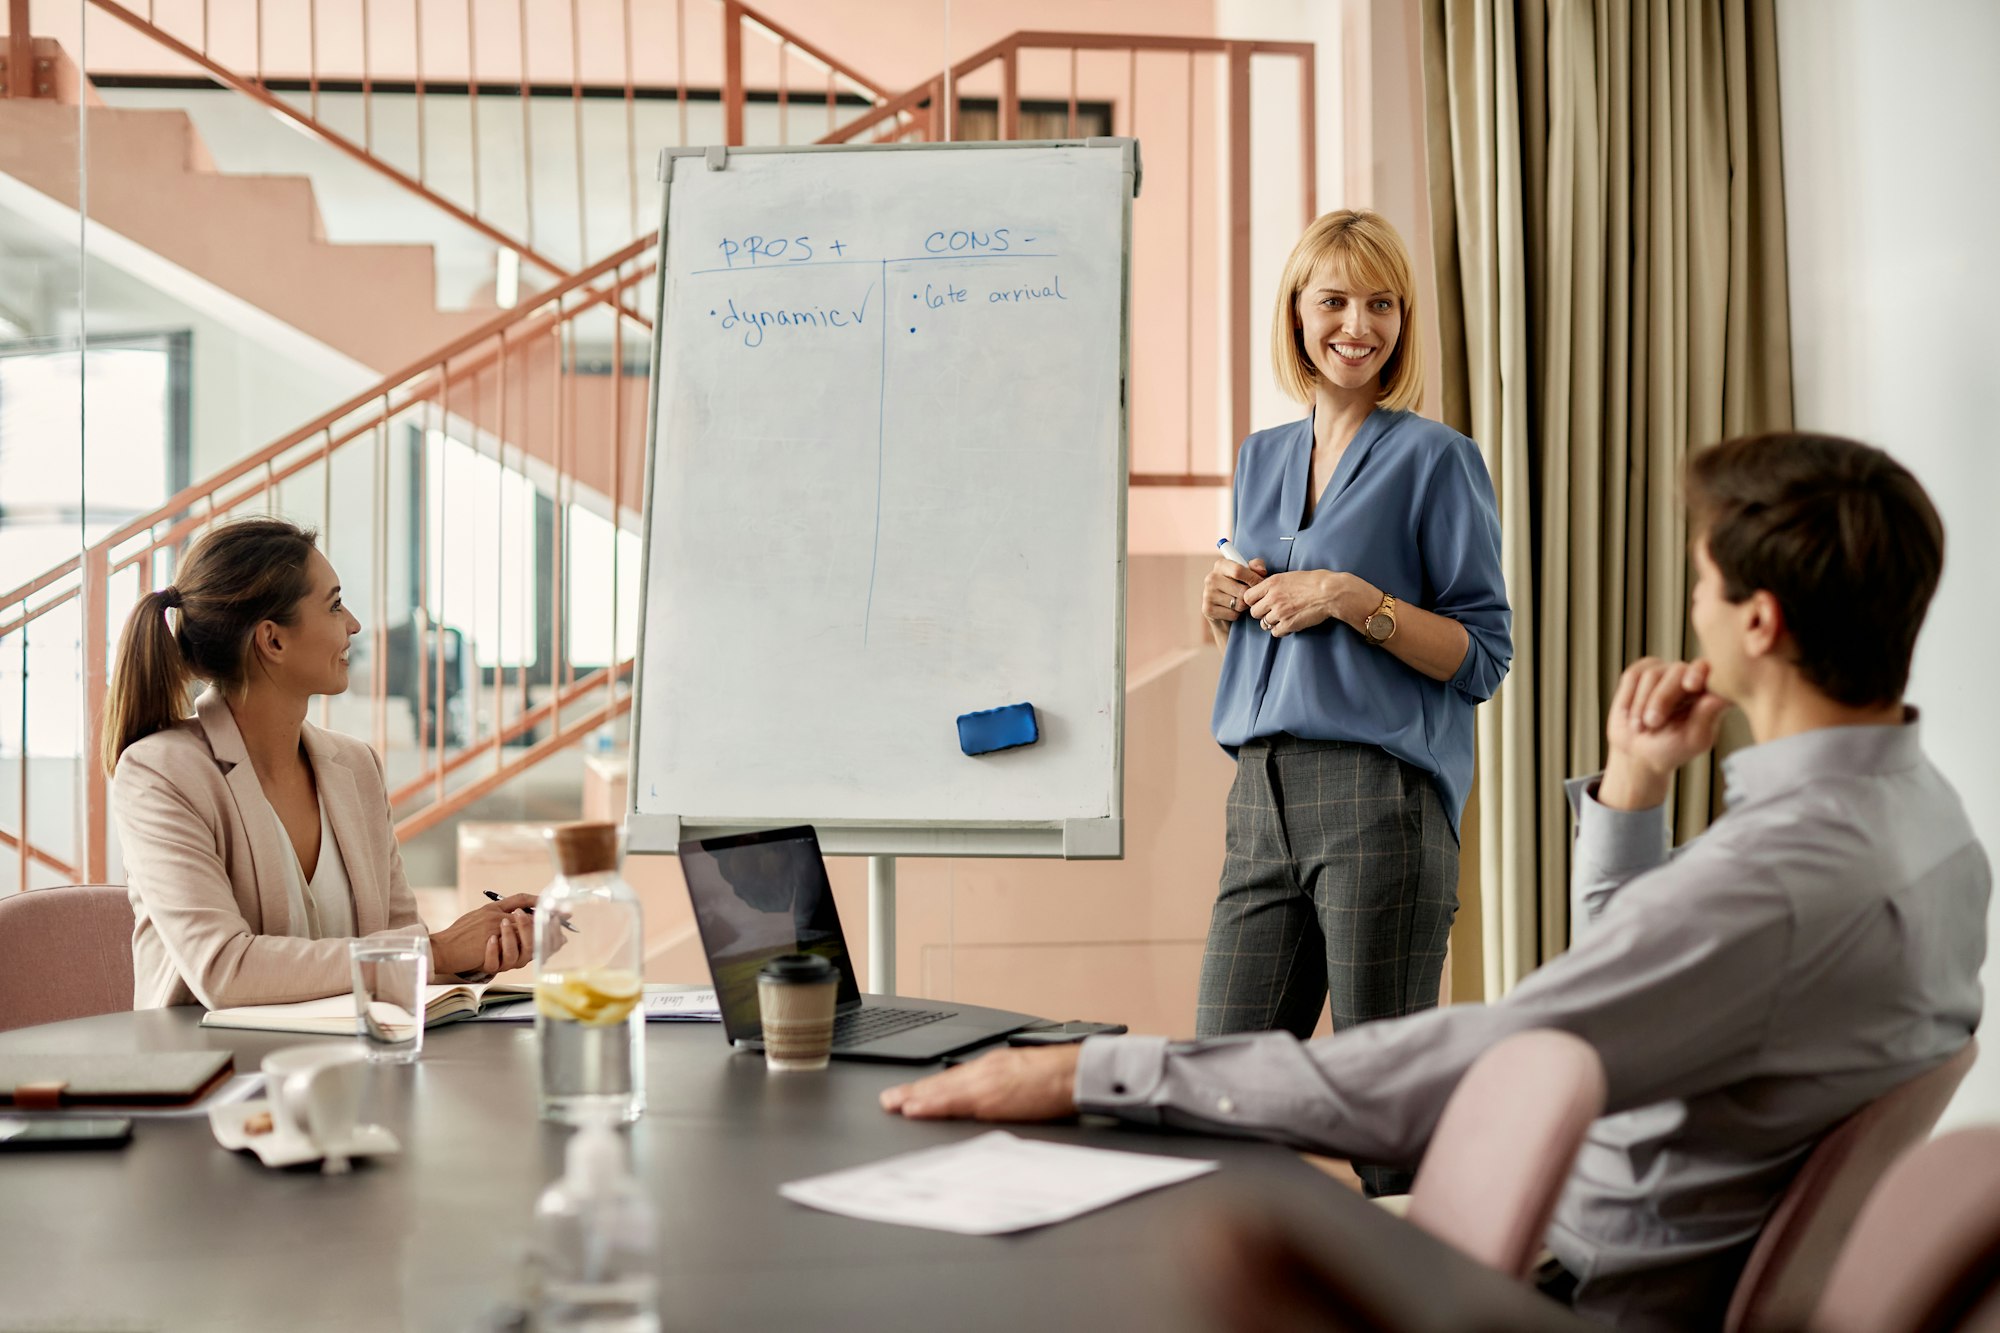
(174, 1232)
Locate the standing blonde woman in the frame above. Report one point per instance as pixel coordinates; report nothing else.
(256, 844)
(1370, 621)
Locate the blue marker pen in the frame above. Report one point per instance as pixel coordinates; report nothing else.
(1229, 552)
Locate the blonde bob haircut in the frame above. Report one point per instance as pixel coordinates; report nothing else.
(1372, 256)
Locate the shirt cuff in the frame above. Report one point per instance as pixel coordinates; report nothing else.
(1115, 1075)
(1615, 843)
(1461, 679)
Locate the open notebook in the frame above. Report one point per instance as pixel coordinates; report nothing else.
(334, 1016)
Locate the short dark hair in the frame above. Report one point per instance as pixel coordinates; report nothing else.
(1841, 535)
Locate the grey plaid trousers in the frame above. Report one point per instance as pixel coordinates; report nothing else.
(1339, 882)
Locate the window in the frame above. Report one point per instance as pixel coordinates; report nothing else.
(56, 498)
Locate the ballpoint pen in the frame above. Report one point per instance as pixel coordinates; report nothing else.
(562, 921)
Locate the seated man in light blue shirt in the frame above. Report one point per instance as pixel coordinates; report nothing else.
(1817, 947)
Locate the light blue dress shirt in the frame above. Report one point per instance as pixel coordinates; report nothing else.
(1818, 946)
(1410, 509)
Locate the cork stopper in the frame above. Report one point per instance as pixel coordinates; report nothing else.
(583, 848)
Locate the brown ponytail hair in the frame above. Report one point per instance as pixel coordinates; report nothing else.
(239, 575)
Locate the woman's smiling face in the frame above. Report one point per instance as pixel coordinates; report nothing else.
(1349, 334)
(322, 629)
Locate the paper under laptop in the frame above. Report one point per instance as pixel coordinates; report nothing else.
(661, 1004)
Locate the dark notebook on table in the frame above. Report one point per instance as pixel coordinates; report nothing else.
(55, 1081)
(758, 895)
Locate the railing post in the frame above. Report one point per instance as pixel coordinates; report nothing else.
(1308, 138)
(732, 72)
(1239, 240)
(1010, 94)
(94, 602)
(20, 81)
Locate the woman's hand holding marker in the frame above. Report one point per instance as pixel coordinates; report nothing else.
(1226, 589)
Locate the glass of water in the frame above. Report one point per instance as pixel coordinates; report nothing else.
(390, 973)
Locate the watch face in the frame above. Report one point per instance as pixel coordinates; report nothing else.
(1380, 626)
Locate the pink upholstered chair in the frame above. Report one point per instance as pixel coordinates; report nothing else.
(1925, 1252)
(1788, 1267)
(64, 953)
(1504, 1146)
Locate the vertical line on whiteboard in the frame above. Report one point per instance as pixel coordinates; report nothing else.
(881, 402)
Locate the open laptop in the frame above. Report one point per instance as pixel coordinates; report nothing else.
(758, 895)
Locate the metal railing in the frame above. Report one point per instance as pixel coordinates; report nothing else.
(439, 73)
(439, 395)
(512, 390)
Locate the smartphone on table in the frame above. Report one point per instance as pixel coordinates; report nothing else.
(22, 1135)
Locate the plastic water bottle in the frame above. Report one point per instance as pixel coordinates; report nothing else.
(594, 1242)
(589, 954)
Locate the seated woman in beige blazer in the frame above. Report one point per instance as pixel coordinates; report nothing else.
(256, 844)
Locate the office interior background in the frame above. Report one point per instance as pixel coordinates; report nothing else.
(383, 268)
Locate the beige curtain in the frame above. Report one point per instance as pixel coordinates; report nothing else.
(1608, 227)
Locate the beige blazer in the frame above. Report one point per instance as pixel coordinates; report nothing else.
(206, 867)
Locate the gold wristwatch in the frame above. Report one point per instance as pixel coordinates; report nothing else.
(1380, 627)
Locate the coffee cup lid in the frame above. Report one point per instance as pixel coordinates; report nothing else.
(797, 969)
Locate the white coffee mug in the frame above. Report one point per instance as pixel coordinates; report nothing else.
(315, 1093)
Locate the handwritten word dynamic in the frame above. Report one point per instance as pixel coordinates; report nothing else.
(754, 323)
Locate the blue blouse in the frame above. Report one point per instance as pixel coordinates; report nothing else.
(1410, 508)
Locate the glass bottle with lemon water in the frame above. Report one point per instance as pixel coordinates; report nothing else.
(589, 955)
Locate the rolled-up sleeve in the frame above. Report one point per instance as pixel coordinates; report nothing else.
(1459, 535)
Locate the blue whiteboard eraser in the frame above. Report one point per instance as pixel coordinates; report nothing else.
(998, 729)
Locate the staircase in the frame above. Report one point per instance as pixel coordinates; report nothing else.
(259, 238)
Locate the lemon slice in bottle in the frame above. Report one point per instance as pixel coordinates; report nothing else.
(599, 997)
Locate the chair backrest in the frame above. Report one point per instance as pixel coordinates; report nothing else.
(1788, 1266)
(1926, 1249)
(1504, 1146)
(64, 953)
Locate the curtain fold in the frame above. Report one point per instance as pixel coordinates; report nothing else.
(1609, 222)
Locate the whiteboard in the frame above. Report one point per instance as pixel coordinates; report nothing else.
(886, 484)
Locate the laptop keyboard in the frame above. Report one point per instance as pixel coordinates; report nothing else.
(872, 1024)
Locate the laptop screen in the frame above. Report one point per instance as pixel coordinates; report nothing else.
(758, 895)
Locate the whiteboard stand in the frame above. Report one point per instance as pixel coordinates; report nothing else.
(882, 925)
(906, 292)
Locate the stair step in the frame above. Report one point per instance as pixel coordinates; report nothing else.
(260, 237)
(285, 205)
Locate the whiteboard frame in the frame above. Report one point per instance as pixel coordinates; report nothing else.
(1072, 839)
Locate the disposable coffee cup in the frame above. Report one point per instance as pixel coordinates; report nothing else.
(795, 998)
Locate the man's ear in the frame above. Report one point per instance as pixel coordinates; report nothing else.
(1763, 625)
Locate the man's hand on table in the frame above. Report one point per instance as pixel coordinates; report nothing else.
(1026, 1083)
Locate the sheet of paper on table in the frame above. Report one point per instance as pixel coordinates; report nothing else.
(991, 1184)
(662, 1003)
